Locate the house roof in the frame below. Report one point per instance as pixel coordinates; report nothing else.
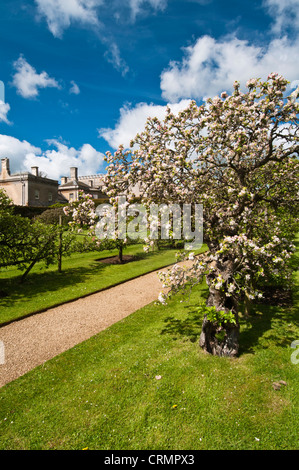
(74, 184)
(26, 175)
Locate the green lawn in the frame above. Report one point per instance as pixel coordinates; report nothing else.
(144, 383)
(82, 274)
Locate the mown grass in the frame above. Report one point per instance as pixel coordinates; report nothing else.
(82, 274)
(144, 383)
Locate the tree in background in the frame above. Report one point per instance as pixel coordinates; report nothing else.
(23, 242)
(85, 219)
(237, 156)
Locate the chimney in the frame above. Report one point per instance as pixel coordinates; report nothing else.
(74, 173)
(34, 170)
(5, 171)
(63, 179)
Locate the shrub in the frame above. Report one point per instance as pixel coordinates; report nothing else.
(51, 216)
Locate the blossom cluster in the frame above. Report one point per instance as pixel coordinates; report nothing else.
(82, 212)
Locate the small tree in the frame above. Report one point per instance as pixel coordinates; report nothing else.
(23, 242)
(237, 156)
(84, 219)
(12, 230)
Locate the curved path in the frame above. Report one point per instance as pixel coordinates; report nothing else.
(33, 340)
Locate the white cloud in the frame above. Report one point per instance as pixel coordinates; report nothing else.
(132, 121)
(136, 6)
(60, 14)
(113, 56)
(54, 162)
(4, 109)
(28, 82)
(285, 14)
(210, 66)
(17, 151)
(74, 88)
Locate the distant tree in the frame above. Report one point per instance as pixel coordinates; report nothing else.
(23, 242)
(84, 219)
(53, 216)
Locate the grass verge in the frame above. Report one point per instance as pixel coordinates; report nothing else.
(82, 274)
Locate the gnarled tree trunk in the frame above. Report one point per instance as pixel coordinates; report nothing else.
(220, 339)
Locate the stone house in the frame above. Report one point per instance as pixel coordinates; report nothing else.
(28, 188)
(32, 189)
(72, 185)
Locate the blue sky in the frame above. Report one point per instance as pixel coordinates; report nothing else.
(81, 76)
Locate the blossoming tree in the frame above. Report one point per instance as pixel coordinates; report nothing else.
(238, 156)
(23, 243)
(85, 219)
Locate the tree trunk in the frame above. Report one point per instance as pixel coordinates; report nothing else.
(24, 275)
(59, 255)
(220, 339)
(247, 306)
(36, 259)
(120, 253)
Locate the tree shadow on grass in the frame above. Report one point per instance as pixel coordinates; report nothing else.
(189, 326)
(39, 283)
(267, 325)
(274, 321)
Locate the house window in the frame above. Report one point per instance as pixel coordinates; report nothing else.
(71, 196)
(50, 197)
(36, 194)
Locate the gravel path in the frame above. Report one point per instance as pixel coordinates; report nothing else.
(36, 339)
